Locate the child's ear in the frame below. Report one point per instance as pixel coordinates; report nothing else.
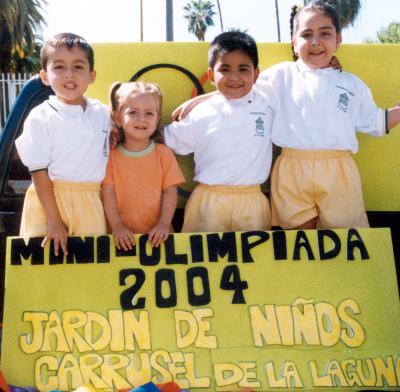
(210, 74)
(43, 76)
(256, 73)
(92, 76)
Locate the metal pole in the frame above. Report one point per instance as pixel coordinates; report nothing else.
(141, 20)
(169, 20)
(278, 27)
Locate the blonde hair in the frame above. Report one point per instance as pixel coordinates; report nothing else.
(119, 92)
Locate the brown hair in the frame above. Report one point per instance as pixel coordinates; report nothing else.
(68, 40)
(120, 91)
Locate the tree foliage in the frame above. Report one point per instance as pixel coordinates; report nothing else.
(200, 15)
(389, 34)
(348, 10)
(19, 22)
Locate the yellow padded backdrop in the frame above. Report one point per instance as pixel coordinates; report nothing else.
(377, 65)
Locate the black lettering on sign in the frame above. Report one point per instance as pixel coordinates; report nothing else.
(263, 236)
(196, 248)
(171, 257)
(103, 249)
(153, 258)
(280, 245)
(231, 280)
(221, 246)
(53, 259)
(80, 250)
(325, 254)
(127, 297)
(32, 248)
(166, 277)
(354, 241)
(203, 298)
(302, 242)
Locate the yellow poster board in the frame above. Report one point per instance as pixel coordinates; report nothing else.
(283, 310)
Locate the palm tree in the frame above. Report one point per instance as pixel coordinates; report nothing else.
(200, 16)
(19, 21)
(348, 10)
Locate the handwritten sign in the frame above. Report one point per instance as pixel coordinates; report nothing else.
(212, 312)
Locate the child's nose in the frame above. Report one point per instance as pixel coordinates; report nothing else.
(68, 72)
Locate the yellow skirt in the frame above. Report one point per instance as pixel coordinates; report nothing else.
(79, 204)
(226, 208)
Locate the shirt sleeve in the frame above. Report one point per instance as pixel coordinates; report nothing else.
(369, 118)
(180, 136)
(264, 86)
(33, 146)
(172, 173)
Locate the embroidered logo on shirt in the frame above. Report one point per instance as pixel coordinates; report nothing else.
(343, 102)
(344, 98)
(260, 126)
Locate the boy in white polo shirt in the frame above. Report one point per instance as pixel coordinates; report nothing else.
(64, 143)
(230, 136)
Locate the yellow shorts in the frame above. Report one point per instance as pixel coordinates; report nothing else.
(322, 183)
(226, 208)
(80, 208)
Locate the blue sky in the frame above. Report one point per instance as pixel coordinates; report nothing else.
(119, 20)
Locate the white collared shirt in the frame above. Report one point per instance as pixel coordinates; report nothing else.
(230, 139)
(320, 109)
(71, 143)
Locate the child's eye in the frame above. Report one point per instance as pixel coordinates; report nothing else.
(150, 113)
(244, 69)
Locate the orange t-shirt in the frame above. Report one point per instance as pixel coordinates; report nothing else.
(139, 178)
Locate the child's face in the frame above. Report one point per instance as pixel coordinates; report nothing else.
(315, 40)
(138, 118)
(233, 74)
(68, 73)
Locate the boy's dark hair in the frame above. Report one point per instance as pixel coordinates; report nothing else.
(69, 40)
(328, 9)
(229, 42)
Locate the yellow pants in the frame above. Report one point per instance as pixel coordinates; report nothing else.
(320, 183)
(80, 208)
(226, 208)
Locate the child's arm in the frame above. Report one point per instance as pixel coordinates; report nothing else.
(393, 116)
(123, 237)
(186, 107)
(161, 230)
(55, 226)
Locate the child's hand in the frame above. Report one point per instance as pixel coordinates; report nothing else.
(186, 107)
(123, 237)
(158, 234)
(57, 232)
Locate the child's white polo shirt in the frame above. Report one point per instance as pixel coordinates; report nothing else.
(71, 143)
(321, 109)
(230, 139)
